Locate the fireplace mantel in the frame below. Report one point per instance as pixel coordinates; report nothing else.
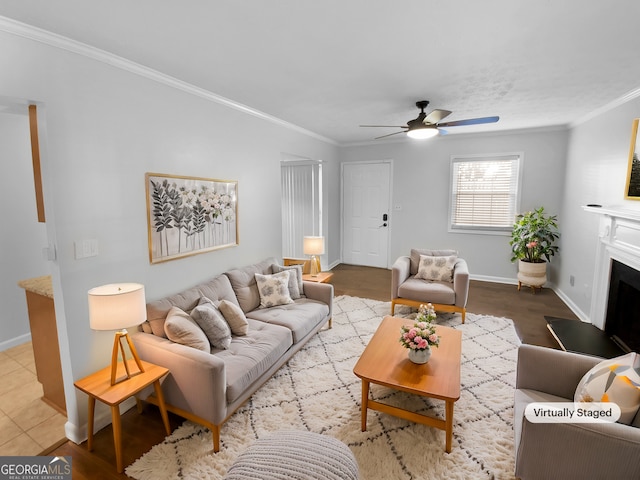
(618, 239)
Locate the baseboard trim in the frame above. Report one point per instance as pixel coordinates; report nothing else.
(14, 342)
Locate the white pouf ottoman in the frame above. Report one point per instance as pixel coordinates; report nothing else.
(295, 455)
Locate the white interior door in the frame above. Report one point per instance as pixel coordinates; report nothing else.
(366, 189)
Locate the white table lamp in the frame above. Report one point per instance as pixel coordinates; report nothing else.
(314, 246)
(115, 307)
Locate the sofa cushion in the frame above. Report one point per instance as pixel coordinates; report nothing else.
(235, 317)
(250, 356)
(427, 291)
(217, 288)
(273, 289)
(296, 286)
(614, 380)
(243, 282)
(415, 257)
(181, 328)
(300, 317)
(212, 323)
(436, 268)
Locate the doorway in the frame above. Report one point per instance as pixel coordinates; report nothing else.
(366, 223)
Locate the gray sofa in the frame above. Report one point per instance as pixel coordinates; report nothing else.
(207, 387)
(567, 450)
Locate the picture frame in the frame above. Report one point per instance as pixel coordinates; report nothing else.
(632, 189)
(189, 215)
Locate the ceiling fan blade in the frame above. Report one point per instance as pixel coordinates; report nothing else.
(436, 116)
(395, 133)
(386, 126)
(469, 121)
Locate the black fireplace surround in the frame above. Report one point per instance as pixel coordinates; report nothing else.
(623, 307)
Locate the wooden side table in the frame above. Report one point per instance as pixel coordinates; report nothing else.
(98, 387)
(322, 277)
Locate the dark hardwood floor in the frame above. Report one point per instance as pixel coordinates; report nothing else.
(142, 431)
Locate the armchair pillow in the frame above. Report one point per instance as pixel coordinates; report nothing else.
(212, 323)
(615, 380)
(273, 289)
(436, 268)
(181, 328)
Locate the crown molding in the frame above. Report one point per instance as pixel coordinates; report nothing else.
(55, 40)
(627, 97)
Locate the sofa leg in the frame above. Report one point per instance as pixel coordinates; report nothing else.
(215, 431)
(393, 306)
(330, 324)
(464, 312)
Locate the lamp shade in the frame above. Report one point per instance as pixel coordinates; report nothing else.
(422, 132)
(116, 306)
(313, 245)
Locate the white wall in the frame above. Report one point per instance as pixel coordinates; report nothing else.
(21, 236)
(103, 128)
(421, 186)
(596, 173)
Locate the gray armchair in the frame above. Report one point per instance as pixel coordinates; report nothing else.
(445, 296)
(567, 450)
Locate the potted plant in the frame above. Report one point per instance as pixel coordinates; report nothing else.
(532, 243)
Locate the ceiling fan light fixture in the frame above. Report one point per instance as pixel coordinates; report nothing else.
(423, 132)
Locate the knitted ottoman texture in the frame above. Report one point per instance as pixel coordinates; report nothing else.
(295, 455)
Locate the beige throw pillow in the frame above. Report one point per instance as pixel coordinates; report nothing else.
(436, 268)
(274, 289)
(235, 317)
(212, 323)
(181, 328)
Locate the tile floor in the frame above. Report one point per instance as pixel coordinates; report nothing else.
(27, 424)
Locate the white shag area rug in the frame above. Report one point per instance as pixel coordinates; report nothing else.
(317, 391)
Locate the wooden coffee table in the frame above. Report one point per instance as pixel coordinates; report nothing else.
(385, 362)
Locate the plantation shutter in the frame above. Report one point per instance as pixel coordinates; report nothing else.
(301, 200)
(484, 192)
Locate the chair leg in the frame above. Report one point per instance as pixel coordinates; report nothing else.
(393, 306)
(464, 312)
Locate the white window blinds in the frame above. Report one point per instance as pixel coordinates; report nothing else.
(484, 192)
(301, 201)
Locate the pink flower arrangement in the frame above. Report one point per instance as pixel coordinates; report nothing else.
(422, 334)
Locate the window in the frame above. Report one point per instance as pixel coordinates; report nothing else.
(484, 192)
(301, 182)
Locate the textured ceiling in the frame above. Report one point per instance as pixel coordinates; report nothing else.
(330, 65)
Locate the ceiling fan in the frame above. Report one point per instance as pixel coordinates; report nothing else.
(427, 126)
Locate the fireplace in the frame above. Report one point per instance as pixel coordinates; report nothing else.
(623, 307)
(613, 326)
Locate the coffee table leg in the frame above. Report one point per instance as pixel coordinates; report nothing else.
(365, 403)
(449, 425)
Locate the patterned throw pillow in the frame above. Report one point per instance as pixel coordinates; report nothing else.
(212, 323)
(436, 268)
(296, 287)
(616, 380)
(181, 328)
(235, 317)
(274, 289)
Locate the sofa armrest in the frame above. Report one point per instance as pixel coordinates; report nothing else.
(578, 450)
(323, 292)
(400, 271)
(551, 371)
(197, 380)
(461, 282)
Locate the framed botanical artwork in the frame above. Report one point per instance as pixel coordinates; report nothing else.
(632, 190)
(189, 215)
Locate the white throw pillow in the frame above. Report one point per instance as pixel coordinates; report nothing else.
(181, 328)
(296, 287)
(212, 323)
(274, 289)
(615, 380)
(235, 317)
(436, 268)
